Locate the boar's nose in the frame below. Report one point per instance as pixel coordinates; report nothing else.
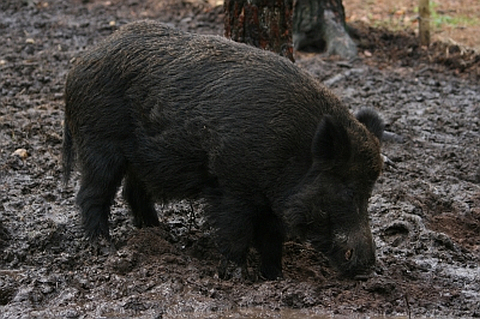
(365, 260)
(357, 257)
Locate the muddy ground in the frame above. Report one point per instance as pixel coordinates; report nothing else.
(425, 210)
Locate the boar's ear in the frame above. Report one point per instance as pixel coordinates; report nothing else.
(331, 143)
(372, 121)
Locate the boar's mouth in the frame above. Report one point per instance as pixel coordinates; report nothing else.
(352, 259)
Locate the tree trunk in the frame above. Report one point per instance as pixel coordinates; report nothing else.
(320, 25)
(265, 24)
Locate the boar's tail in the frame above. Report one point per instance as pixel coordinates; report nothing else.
(67, 153)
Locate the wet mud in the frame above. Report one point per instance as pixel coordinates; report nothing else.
(425, 210)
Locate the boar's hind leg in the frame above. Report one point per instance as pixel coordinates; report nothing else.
(141, 203)
(99, 184)
(268, 240)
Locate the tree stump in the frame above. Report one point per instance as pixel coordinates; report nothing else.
(265, 24)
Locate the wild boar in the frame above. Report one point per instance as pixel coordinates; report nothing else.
(178, 115)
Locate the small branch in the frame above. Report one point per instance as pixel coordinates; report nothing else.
(424, 23)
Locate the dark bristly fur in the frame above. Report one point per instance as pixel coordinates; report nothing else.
(179, 115)
(67, 154)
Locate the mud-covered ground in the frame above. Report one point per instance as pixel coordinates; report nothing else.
(425, 210)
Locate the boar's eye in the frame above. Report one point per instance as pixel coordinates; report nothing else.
(348, 254)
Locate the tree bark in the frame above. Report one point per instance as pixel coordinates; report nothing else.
(268, 24)
(320, 25)
(265, 24)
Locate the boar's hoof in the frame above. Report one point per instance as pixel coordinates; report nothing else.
(97, 233)
(271, 273)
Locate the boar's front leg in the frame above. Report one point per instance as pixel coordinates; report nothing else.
(233, 224)
(240, 224)
(269, 235)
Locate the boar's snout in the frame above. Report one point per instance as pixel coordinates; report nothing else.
(354, 255)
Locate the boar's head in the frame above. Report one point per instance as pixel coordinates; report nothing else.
(329, 208)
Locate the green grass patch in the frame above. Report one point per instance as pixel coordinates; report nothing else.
(439, 19)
